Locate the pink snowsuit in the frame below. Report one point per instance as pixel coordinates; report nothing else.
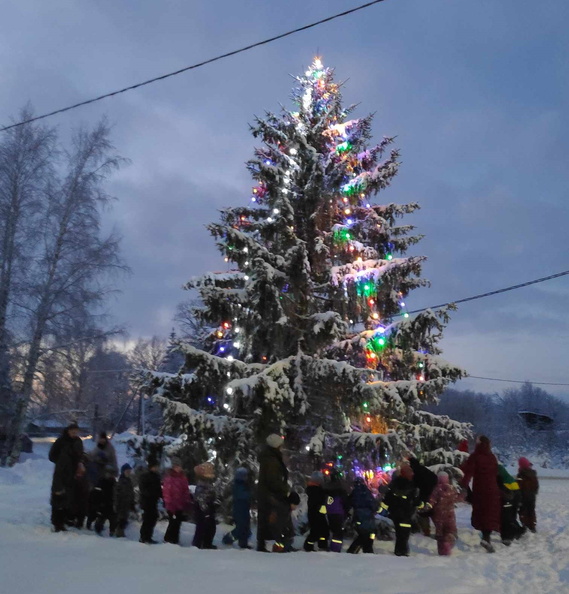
(176, 492)
(442, 501)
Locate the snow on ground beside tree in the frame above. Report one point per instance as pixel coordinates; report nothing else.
(34, 560)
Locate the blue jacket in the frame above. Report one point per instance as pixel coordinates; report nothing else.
(241, 500)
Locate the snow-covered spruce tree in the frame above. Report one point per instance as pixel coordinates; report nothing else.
(311, 338)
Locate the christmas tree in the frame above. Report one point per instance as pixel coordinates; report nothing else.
(310, 337)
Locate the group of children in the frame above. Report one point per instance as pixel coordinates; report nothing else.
(328, 500)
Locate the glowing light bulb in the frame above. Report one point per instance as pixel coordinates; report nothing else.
(226, 259)
(368, 205)
(351, 321)
(350, 221)
(380, 329)
(389, 257)
(359, 259)
(375, 316)
(222, 349)
(226, 406)
(421, 378)
(230, 358)
(405, 315)
(307, 448)
(421, 364)
(368, 419)
(347, 211)
(237, 345)
(245, 250)
(269, 220)
(229, 390)
(276, 211)
(381, 341)
(402, 304)
(237, 330)
(345, 200)
(293, 151)
(246, 263)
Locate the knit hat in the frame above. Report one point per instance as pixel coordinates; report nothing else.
(125, 467)
(406, 472)
(73, 425)
(241, 474)
(524, 463)
(205, 470)
(175, 461)
(443, 478)
(316, 478)
(275, 441)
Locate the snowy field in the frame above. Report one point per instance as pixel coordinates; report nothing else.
(33, 560)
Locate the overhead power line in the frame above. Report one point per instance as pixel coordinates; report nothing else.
(509, 381)
(195, 66)
(490, 293)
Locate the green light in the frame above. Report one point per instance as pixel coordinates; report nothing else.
(340, 457)
(405, 315)
(344, 147)
(381, 341)
(365, 405)
(389, 257)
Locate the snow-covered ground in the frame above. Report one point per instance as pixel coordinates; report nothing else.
(33, 560)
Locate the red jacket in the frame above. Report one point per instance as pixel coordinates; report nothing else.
(482, 468)
(176, 492)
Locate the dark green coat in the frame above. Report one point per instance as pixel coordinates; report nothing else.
(272, 495)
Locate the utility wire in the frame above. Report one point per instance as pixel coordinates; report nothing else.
(490, 293)
(497, 379)
(195, 66)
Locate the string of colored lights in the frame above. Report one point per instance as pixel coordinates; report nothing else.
(195, 66)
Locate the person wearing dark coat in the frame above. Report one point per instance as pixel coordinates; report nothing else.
(67, 455)
(100, 457)
(319, 531)
(124, 499)
(177, 500)
(241, 510)
(150, 493)
(399, 503)
(529, 488)
(426, 481)
(337, 506)
(482, 469)
(273, 492)
(103, 501)
(80, 505)
(365, 507)
(205, 507)
(510, 491)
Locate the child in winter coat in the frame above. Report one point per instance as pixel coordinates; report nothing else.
(205, 505)
(177, 500)
(241, 510)
(124, 499)
(337, 506)
(150, 493)
(317, 521)
(442, 501)
(399, 503)
(365, 508)
(103, 501)
(529, 488)
(510, 492)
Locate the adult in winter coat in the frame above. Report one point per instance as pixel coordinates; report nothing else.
(124, 499)
(399, 503)
(241, 510)
(442, 501)
(205, 507)
(67, 455)
(425, 480)
(337, 506)
(176, 494)
(482, 469)
(317, 521)
(365, 508)
(150, 493)
(100, 457)
(273, 491)
(529, 488)
(510, 491)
